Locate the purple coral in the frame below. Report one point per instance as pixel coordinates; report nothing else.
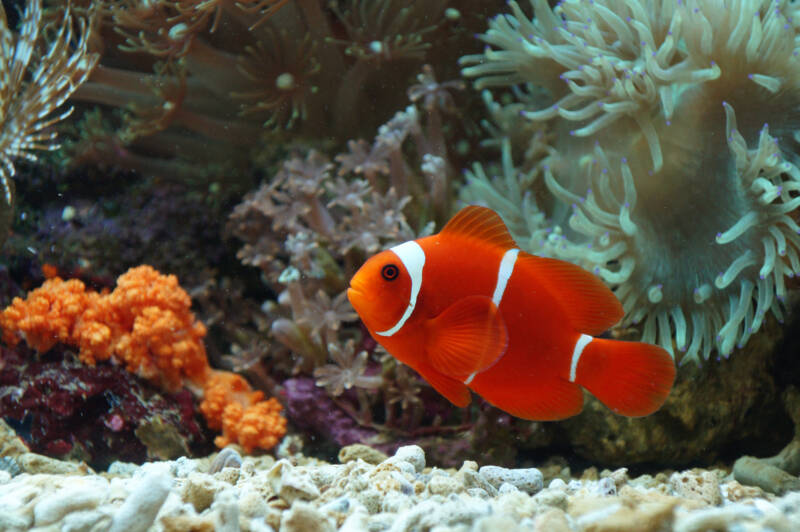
(310, 408)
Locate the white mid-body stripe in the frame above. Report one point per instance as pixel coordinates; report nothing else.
(412, 256)
(580, 345)
(504, 274)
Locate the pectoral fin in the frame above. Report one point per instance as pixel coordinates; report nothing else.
(467, 338)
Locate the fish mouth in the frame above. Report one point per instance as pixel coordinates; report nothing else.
(355, 296)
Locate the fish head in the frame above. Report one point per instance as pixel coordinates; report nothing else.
(380, 291)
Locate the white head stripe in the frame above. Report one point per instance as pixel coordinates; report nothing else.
(582, 342)
(504, 274)
(413, 258)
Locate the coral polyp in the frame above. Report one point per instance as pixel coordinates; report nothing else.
(669, 163)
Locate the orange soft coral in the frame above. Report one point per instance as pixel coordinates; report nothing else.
(243, 415)
(159, 337)
(146, 324)
(47, 316)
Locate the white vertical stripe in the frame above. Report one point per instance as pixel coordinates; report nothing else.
(582, 342)
(504, 274)
(412, 256)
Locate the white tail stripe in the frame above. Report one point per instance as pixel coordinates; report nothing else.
(412, 256)
(504, 274)
(471, 376)
(580, 345)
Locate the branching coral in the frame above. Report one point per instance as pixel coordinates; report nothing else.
(145, 324)
(670, 160)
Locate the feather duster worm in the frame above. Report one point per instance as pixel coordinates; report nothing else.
(666, 159)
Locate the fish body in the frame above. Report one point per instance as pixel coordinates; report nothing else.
(468, 310)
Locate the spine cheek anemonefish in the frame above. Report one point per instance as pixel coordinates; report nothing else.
(468, 310)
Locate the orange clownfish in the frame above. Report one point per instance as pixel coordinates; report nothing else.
(469, 311)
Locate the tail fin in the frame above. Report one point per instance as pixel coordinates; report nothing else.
(630, 378)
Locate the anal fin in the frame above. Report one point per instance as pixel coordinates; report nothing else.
(454, 391)
(551, 400)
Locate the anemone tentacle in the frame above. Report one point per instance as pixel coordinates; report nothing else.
(671, 159)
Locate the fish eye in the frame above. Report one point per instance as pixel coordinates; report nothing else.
(390, 272)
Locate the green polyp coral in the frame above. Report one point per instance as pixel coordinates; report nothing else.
(662, 154)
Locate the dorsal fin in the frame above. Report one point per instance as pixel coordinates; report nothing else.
(481, 223)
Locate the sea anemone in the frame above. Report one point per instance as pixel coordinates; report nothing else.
(671, 167)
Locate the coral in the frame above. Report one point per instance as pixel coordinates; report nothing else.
(311, 409)
(159, 336)
(48, 316)
(208, 76)
(347, 372)
(661, 155)
(64, 408)
(144, 501)
(283, 65)
(230, 405)
(310, 226)
(146, 325)
(37, 75)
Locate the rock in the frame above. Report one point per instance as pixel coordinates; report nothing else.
(83, 493)
(735, 492)
(443, 484)
(199, 490)
(619, 514)
(755, 472)
(10, 444)
(528, 480)
(412, 454)
(553, 520)
(303, 517)
(357, 451)
(355, 522)
(389, 497)
(693, 484)
(291, 485)
(36, 463)
(227, 511)
(142, 505)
